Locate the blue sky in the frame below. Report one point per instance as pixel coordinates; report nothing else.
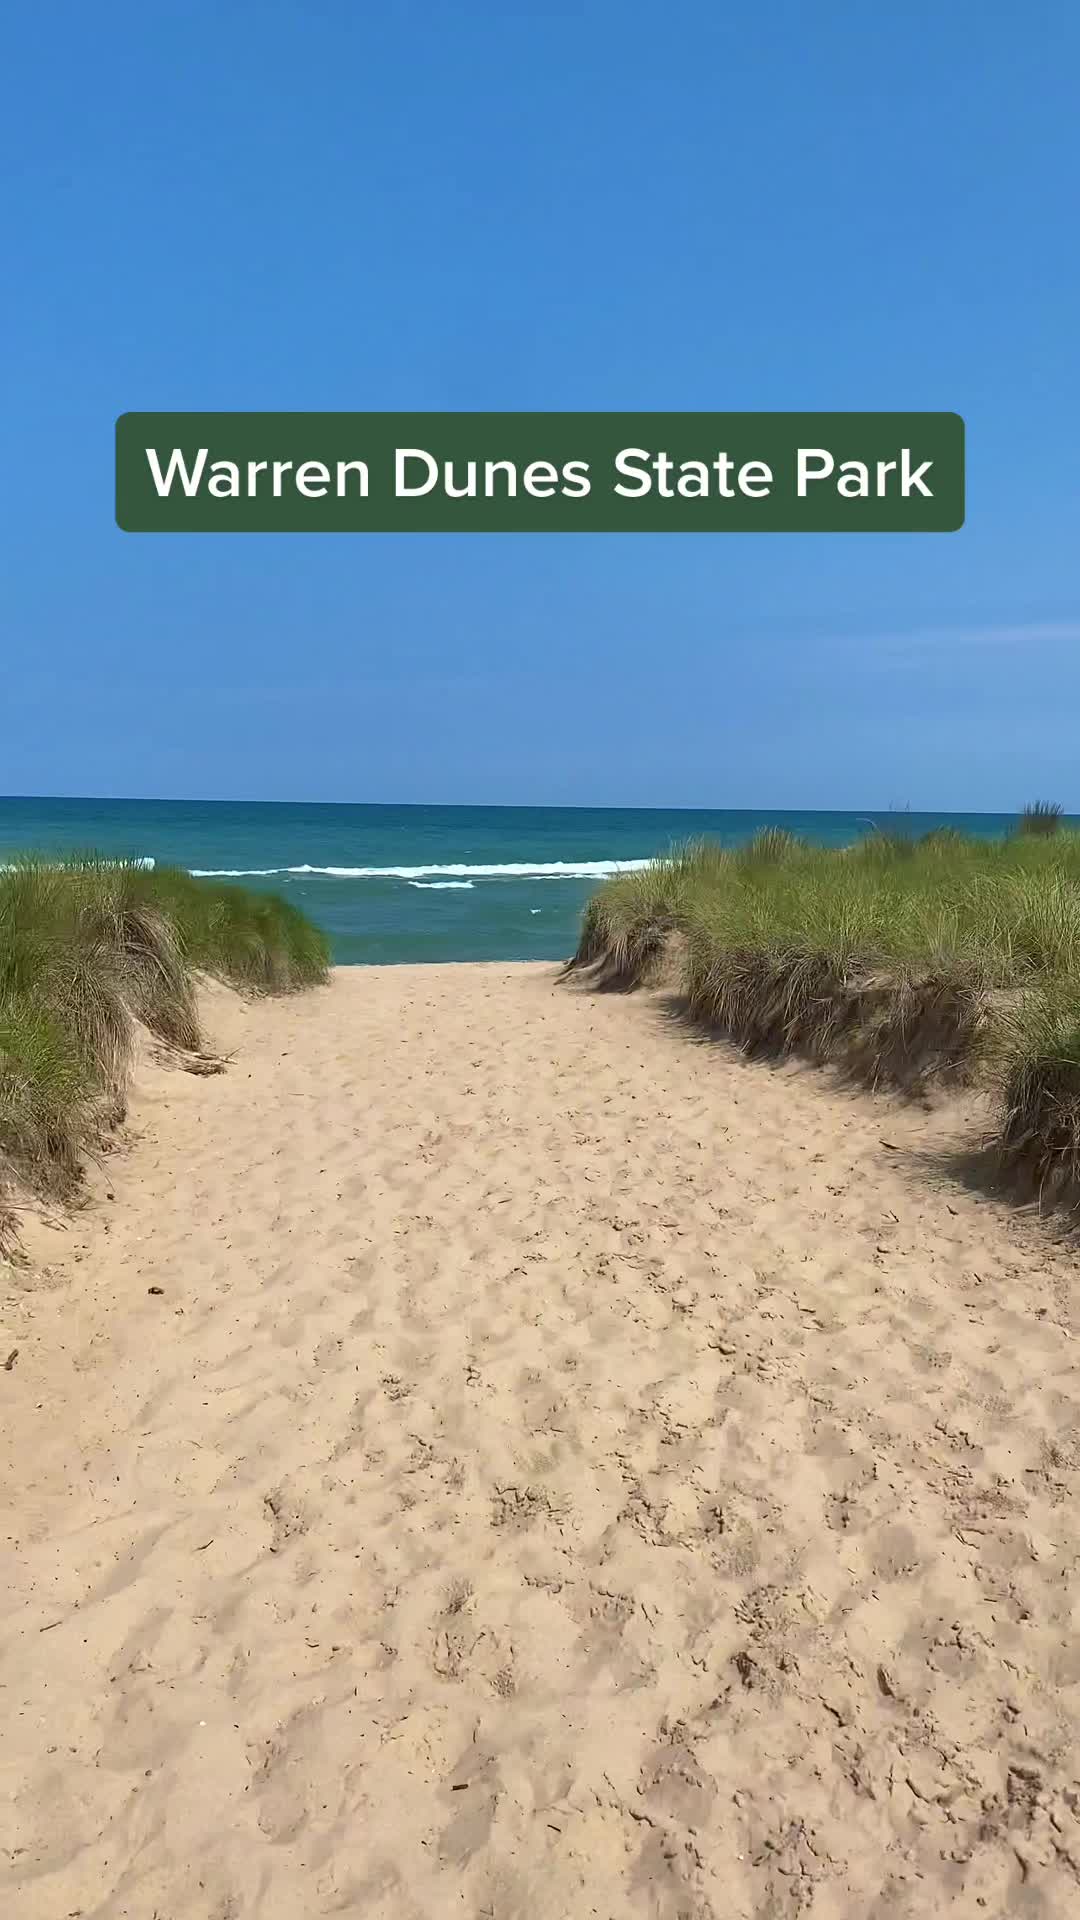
(328, 204)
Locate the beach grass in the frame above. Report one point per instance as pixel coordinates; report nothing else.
(905, 962)
(1040, 817)
(90, 951)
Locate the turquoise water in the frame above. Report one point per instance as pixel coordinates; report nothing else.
(419, 883)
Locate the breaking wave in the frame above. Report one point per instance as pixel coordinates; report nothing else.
(445, 874)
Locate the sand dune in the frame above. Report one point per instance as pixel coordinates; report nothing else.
(564, 1472)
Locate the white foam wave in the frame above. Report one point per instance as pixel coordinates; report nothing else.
(501, 870)
(441, 886)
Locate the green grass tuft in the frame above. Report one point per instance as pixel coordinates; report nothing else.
(1040, 817)
(92, 949)
(905, 962)
(1038, 1137)
(771, 845)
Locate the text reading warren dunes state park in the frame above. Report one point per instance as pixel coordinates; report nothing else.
(540, 472)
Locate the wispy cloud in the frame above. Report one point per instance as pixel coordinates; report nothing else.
(1024, 637)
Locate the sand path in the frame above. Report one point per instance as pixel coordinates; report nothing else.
(566, 1472)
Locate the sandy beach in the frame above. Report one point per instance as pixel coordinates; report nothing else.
(485, 1453)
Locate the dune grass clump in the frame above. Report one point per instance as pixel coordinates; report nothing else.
(1040, 817)
(880, 848)
(904, 961)
(865, 960)
(769, 846)
(942, 840)
(629, 922)
(1038, 1139)
(255, 941)
(90, 951)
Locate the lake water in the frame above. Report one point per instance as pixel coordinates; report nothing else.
(395, 883)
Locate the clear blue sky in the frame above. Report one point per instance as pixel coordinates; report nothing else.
(331, 204)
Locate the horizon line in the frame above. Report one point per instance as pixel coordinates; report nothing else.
(891, 811)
